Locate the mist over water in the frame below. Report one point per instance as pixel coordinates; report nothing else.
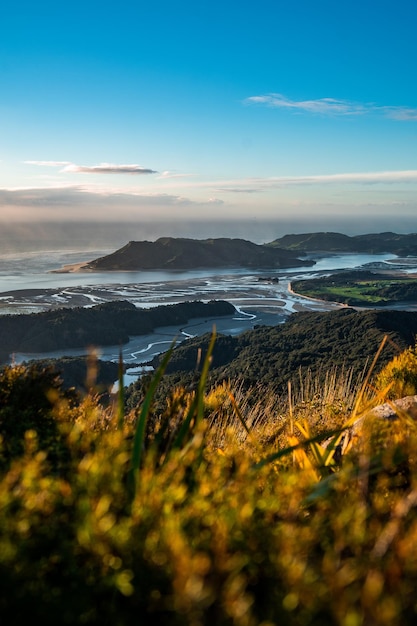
(111, 235)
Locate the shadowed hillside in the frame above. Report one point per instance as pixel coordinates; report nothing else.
(182, 254)
(345, 338)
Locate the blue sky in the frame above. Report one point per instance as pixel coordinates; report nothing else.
(233, 110)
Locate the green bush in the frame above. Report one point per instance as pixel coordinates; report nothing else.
(28, 399)
(399, 376)
(208, 521)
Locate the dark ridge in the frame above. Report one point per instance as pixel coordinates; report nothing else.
(402, 245)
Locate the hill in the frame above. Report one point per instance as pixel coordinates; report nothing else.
(313, 342)
(402, 245)
(184, 254)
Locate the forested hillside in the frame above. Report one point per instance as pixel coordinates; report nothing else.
(308, 341)
(374, 243)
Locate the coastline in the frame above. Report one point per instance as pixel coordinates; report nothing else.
(319, 300)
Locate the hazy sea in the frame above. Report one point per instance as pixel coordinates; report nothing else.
(29, 252)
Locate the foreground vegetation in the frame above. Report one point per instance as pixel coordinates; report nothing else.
(230, 506)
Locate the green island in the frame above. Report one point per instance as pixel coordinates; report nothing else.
(359, 288)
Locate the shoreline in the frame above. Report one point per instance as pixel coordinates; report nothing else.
(320, 300)
(82, 268)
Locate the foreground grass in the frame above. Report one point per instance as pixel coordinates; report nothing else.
(229, 508)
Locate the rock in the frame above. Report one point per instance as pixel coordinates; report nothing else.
(389, 411)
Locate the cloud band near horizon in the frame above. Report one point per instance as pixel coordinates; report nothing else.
(247, 185)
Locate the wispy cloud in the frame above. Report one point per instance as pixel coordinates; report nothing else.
(173, 174)
(108, 168)
(259, 184)
(333, 106)
(324, 105)
(401, 113)
(389, 177)
(89, 203)
(101, 168)
(214, 201)
(62, 194)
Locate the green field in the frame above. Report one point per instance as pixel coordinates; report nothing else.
(353, 289)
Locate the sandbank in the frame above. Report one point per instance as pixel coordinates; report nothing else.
(72, 268)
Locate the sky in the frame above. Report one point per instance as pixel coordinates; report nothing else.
(301, 114)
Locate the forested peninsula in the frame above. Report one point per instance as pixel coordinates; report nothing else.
(110, 323)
